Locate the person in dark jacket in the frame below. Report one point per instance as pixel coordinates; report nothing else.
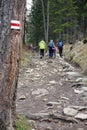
(50, 47)
(60, 47)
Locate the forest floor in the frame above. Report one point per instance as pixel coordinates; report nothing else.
(52, 94)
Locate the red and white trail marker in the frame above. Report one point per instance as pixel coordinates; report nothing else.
(15, 24)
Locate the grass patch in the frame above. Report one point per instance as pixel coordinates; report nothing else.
(22, 123)
(78, 55)
(25, 58)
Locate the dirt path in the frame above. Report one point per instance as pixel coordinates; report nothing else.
(52, 94)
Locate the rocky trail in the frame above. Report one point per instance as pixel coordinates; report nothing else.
(52, 94)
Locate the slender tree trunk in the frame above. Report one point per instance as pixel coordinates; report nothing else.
(10, 48)
(43, 11)
(47, 21)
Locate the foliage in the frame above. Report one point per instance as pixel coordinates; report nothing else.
(63, 14)
(66, 18)
(35, 23)
(22, 123)
(85, 41)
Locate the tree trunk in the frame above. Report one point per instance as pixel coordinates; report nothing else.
(47, 22)
(10, 48)
(44, 20)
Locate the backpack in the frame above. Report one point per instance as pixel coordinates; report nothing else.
(51, 44)
(60, 44)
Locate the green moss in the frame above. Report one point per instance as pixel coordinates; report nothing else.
(22, 123)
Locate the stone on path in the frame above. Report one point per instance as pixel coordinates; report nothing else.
(37, 116)
(73, 73)
(84, 79)
(52, 82)
(84, 88)
(22, 97)
(29, 70)
(82, 116)
(45, 99)
(78, 91)
(80, 129)
(52, 103)
(65, 98)
(70, 111)
(79, 108)
(40, 92)
(79, 79)
(48, 128)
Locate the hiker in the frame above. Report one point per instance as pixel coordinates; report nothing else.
(42, 47)
(54, 51)
(50, 47)
(60, 47)
(30, 47)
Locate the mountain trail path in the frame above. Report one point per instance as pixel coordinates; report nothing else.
(52, 94)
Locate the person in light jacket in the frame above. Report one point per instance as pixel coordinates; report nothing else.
(42, 47)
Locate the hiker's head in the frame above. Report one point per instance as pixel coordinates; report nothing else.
(60, 40)
(51, 40)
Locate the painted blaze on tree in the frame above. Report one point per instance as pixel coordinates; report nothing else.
(10, 48)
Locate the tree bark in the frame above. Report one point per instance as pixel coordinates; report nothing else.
(10, 48)
(44, 20)
(47, 35)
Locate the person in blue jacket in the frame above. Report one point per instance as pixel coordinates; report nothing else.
(50, 47)
(60, 47)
